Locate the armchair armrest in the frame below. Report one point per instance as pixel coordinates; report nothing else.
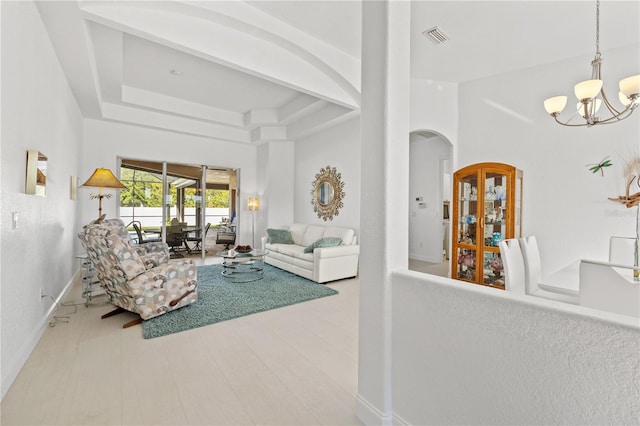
(161, 285)
(153, 247)
(154, 259)
(153, 254)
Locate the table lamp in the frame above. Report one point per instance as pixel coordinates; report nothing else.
(103, 178)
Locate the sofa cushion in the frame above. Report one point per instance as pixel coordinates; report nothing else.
(297, 232)
(279, 236)
(323, 242)
(312, 234)
(345, 234)
(291, 251)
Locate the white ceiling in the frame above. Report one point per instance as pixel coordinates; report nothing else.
(156, 68)
(252, 71)
(493, 37)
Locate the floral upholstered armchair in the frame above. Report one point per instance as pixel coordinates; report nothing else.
(138, 278)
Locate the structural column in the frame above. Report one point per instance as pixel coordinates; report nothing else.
(384, 195)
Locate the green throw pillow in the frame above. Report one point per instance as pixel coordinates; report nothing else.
(323, 242)
(279, 236)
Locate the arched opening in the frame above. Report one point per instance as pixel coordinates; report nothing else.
(430, 169)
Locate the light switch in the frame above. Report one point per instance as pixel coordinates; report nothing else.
(14, 220)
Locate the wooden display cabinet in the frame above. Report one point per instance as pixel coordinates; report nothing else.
(487, 209)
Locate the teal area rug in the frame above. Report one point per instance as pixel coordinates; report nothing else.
(219, 299)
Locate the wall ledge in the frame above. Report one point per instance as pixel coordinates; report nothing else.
(522, 299)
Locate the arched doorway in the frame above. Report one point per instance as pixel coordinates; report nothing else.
(430, 169)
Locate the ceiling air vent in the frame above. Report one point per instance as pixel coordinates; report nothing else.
(435, 35)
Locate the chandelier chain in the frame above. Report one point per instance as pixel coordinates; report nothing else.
(598, 29)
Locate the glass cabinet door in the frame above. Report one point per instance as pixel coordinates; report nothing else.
(495, 226)
(467, 227)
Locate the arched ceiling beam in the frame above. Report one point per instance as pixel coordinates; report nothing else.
(263, 52)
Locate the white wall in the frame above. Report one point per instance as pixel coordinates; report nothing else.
(426, 229)
(338, 147)
(434, 107)
(104, 142)
(38, 112)
(276, 165)
(565, 205)
(491, 357)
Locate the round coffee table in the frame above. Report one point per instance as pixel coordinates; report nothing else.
(243, 267)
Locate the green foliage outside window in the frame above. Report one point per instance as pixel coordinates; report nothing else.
(144, 189)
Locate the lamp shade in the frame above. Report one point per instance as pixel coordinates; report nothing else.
(103, 178)
(555, 104)
(588, 89)
(253, 204)
(623, 99)
(630, 85)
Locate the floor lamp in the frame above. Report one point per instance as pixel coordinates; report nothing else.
(102, 178)
(253, 205)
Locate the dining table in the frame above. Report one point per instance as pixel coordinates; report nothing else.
(566, 280)
(184, 231)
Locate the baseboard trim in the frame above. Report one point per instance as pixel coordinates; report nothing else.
(399, 421)
(368, 414)
(9, 376)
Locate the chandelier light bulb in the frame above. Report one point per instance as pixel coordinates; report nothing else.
(555, 105)
(588, 89)
(630, 85)
(580, 107)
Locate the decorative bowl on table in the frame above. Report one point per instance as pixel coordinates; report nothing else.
(243, 249)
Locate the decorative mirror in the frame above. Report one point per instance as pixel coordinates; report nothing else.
(327, 193)
(36, 179)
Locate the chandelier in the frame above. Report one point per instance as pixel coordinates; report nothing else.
(587, 93)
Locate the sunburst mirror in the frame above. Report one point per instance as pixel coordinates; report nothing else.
(327, 193)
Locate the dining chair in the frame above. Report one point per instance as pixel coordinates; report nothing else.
(532, 263)
(175, 240)
(197, 238)
(621, 250)
(141, 237)
(533, 272)
(514, 274)
(606, 287)
(226, 238)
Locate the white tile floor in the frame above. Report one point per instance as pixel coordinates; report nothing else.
(290, 366)
(440, 269)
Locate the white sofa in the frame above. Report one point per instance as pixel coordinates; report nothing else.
(323, 264)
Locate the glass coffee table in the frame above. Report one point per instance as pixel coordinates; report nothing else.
(243, 267)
